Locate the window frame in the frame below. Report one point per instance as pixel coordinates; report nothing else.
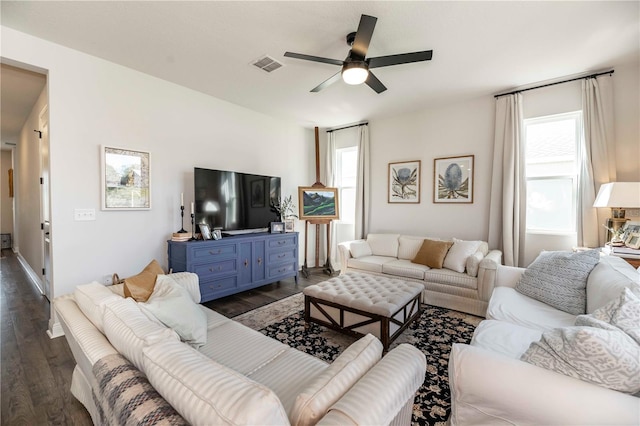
(339, 180)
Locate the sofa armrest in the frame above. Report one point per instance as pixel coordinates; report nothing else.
(487, 274)
(344, 249)
(490, 388)
(508, 276)
(381, 394)
(190, 281)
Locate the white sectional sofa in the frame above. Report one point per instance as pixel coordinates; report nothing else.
(239, 376)
(491, 385)
(467, 290)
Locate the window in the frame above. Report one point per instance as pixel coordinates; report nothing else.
(347, 169)
(551, 170)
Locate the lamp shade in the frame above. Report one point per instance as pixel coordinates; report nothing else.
(618, 194)
(354, 72)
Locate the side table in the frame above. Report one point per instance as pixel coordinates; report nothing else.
(632, 258)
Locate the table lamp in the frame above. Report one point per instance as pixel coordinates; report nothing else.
(618, 196)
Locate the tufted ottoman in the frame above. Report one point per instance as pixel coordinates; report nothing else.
(358, 304)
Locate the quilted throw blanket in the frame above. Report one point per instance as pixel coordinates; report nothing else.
(127, 398)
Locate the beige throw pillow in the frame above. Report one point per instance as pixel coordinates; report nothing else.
(432, 253)
(140, 286)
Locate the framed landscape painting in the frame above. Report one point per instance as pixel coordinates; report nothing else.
(318, 203)
(453, 179)
(126, 179)
(404, 182)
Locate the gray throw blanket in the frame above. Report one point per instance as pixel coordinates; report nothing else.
(127, 398)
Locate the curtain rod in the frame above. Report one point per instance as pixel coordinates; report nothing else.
(557, 82)
(348, 127)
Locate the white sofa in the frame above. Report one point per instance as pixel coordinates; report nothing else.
(467, 290)
(239, 376)
(491, 385)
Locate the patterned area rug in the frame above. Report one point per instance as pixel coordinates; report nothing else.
(433, 333)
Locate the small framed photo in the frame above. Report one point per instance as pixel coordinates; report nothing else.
(205, 232)
(289, 225)
(453, 179)
(404, 182)
(633, 240)
(277, 227)
(217, 234)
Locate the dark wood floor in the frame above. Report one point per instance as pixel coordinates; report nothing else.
(36, 370)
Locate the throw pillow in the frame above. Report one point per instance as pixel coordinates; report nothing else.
(384, 244)
(622, 312)
(140, 286)
(559, 279)
(473, 263)
(604, 356)
(432, 253)
(360, 249)
(456, 258)
(172, 305)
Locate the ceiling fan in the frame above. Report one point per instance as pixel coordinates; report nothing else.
(355, 68)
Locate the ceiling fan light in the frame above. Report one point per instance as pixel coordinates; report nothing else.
(354, 73)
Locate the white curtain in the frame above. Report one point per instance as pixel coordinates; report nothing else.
(596, 157)
(508, 187)
(363, 184)
(330, 173)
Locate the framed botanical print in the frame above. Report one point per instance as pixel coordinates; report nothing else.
(453, 179)
(404, 182)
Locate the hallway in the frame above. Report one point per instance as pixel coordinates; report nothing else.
(36, 370)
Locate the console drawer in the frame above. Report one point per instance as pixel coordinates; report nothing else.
(209, 288)
(281, 242)
(286, 269)
(212, 253)
(282, 256)
(222, 267)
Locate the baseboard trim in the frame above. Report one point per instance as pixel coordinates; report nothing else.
(55, 330)
(30, 273)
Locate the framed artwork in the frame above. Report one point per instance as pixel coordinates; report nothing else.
(404, 182)
(630, 227)
(217, 234)
(318, 203)
(289, 225)
(257, 193)
(633, 240)
(126, 179)
(205, 232)
(453, 179)
(277, 227)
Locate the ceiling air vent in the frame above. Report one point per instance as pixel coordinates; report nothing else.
(267, 63)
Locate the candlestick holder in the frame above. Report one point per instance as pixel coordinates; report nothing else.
(182, 230)
(193, 235)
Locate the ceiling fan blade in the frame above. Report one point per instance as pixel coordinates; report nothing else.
(363, 35)
(313, 58)
(373, 82)
(328, 82)
(403, 58)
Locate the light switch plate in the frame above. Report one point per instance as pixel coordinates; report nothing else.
(84, 214)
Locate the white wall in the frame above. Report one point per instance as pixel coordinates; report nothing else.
(467, 128)
(6, 202)
(94, 102)
(452, 130)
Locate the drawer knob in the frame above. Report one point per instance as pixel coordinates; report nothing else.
(215, 252)
(280, 256)
(259, 261)
(246, 263)
(281, 242)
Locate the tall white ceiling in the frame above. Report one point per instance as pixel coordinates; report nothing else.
(479, 48)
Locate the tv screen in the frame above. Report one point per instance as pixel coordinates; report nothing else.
(235, 202)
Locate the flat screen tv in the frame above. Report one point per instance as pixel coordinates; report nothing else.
(236, 202)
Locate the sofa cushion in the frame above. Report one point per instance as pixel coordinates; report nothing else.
(473, 263)
(205, 392)
(432, 253)
(504, 338)
(172, 305)
(360, 249)
(91, 299)
(506, 304)
(445, 276)
(456, 258)
(129, 330)
(607, 280)
(383, 244)
(370, 263)
(140, 286)
(409, 246)
(405, 268)
(559, 279)
(314, 401)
